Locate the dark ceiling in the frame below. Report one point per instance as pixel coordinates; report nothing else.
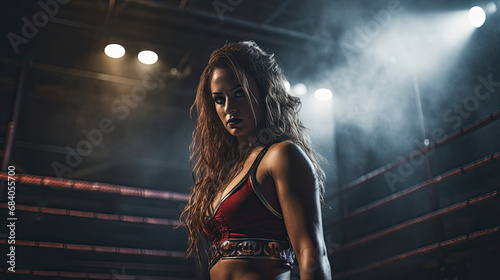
(87, 117)
(76, 84)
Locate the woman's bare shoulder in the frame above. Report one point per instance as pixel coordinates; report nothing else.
(284, 154)
(287, 149)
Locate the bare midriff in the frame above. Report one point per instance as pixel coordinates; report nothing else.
(249, 269)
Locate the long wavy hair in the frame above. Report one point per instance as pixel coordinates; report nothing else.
(216, 153)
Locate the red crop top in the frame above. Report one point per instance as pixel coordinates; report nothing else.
(245, 213)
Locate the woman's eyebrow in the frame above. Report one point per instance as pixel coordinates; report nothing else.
(235, 87)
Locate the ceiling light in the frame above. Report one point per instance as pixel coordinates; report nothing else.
(114, 50)
(477, 16)
(287, 86)
(323, 94)
(299, 89)
(491, 8)
(148, 57)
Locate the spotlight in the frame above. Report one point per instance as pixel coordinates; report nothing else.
(114, 50)
(323, 94)
(477, 16)
(490, 8)
(299, 89)
(427, 142)
(287, 86)
(147, 57)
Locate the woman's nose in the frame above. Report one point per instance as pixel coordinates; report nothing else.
(229, 107)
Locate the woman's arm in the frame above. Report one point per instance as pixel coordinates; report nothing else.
(298, 194)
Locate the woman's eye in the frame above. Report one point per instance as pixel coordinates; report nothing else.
(219, 100)
(239, 93)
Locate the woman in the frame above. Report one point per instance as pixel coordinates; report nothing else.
(256, 197)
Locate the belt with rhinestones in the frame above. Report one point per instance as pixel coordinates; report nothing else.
(255, 248)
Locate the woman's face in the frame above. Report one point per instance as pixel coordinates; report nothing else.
(233, 107)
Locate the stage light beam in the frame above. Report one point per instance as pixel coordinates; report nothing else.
(477, 16)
